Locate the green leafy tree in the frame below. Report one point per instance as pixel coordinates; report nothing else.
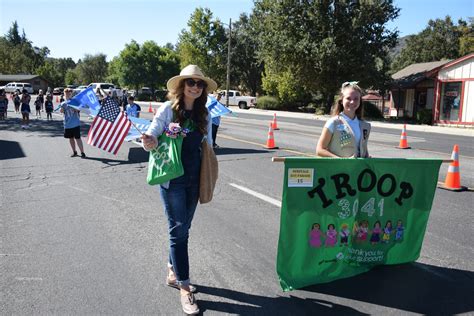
(441, 39)
(144, 65)
(324, 43)
(18, 55)
(92, 68)
(466, 39)
(204, 44)
(55, 70)
(245, 67)
(71, 77)
(13, 35)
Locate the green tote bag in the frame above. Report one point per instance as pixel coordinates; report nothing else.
(165, 163)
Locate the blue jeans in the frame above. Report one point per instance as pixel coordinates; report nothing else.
(180, 201)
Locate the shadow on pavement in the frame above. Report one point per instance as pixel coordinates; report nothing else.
(263, 305)
(41, 128)
(10, 150)
(415, 287)
(137, 154)
(238, 151)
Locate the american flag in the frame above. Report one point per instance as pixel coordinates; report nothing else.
(109, 127)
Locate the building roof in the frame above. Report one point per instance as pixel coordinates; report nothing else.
(415, 73)
(13, 78)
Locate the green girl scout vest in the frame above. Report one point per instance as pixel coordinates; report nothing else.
(343, 141)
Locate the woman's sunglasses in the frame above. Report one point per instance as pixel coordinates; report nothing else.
(199, 83)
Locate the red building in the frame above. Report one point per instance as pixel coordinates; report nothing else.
(446, 88)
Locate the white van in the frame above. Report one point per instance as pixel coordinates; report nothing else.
(107, 87)
(13, 86)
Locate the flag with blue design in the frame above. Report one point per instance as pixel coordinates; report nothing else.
(141, 126)
(85, 100)
(216, 108)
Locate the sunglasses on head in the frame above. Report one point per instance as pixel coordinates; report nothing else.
(199, 83)
(349, 84)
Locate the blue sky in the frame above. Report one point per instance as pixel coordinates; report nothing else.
(74, 28)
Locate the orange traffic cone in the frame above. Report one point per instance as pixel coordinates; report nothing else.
(403, 139)
(270, 139)
(274, 124)
(453, 177)
(150, 109)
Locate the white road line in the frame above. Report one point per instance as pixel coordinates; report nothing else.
(28, 279)
(258, 195)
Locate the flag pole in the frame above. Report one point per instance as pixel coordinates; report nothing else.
(136, 127)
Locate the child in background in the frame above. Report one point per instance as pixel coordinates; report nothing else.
(16, 101)
(38, 108)
(49, 107)
(25, 109)
(132, 109)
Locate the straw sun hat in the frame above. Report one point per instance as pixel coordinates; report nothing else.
(191, 71)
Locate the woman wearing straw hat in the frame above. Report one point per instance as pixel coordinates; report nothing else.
(187, 105)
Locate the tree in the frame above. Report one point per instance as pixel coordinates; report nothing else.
(204, 44)
(13, 35)
(92, 68)
(144, 65)
(466, 39)
(56, 69)
(441, 39)
(246, 69)
(18, 55)
(324, 43)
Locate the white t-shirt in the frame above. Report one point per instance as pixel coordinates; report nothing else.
(354, 124)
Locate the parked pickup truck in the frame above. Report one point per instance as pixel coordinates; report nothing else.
(235, 98)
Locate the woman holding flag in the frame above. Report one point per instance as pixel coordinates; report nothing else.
(187, 106)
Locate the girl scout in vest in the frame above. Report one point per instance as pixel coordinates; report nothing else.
(345, 134)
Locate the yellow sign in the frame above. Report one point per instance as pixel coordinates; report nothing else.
(300, 177)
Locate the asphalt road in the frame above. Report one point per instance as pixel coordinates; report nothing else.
(88, 236)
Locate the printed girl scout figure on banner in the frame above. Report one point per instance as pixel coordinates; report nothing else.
(345, 134)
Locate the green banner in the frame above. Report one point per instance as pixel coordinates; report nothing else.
(341, 217)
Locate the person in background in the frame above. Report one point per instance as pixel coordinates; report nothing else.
(3, 104)
(72, 125)
(216, 121)
(100, 94)
(17, 101)
(48, 105)
(25, 109)
(133, 109)
(40, 97)
(345, 134)
(187, 106)
(124, 99)
(114, 95)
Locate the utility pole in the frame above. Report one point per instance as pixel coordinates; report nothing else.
(228, 65)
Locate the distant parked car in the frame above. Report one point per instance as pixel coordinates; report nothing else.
(58, 90)
(13, 86)
(78, 89)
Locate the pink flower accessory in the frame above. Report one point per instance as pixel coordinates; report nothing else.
(174, 130)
